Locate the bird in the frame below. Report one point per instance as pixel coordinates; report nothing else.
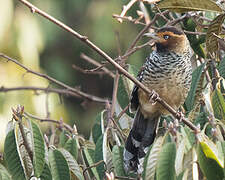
(168, 72)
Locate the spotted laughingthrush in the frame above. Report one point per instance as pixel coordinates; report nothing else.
(167, 71)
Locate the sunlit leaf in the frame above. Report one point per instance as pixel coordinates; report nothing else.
(152, 159)
(12, 158)
(73, 166)
(107, 154)
(189, 5)
(166, 163)
(180, 157)
(214, 28)
(209, 163)
(59, 166)
(4, 174)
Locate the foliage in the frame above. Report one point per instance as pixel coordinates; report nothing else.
(177, 153)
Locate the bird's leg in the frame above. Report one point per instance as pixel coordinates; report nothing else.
(179, 116)
(153, 97)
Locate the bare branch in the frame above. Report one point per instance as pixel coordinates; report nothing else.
(68, 88)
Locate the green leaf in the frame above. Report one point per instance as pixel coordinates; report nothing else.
(221, 68)
(166, 163)
(89, 155)
(117, 159)
(62, 138)
(107, 154)
(152, 159)
(196, 75)
(99, 156)
(59, 166)
(12, 157)
(46, 173)
(218, 104)
(189, 5)
(97, 130)
(209, 163)
(4, 174)
(125, 87)
(38, 149)
(214, 27)
(71, 146)
(73, 166)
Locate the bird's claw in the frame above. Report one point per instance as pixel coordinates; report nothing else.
(154, 96)
(179, 116)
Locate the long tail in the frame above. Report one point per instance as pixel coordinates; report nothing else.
(141, 136)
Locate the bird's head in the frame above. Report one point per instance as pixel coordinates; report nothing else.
(170, 39)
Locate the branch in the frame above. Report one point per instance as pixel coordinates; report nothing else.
(66, 126)
(68, 89)
(109, 59)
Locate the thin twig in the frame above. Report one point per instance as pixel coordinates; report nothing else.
(92, 166)
(97, 64)
(109, 59)
(88, 71)
(68, 127)
(76, 91)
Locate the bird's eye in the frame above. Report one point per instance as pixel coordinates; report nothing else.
(166, 37)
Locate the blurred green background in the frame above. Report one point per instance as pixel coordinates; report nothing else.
(44, 47)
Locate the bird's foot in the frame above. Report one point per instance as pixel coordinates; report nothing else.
(179, 116)
(154, 96)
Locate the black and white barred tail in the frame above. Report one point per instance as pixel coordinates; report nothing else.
(141, 136)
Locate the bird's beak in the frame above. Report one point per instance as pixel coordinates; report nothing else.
(153, 36)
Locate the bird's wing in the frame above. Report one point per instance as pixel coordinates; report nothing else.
(134, 94)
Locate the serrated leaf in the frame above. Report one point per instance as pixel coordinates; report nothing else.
(221, 68)
(117, 159)
(214, 27)
(218, 104)
(46, 173)
(59, 166)
(209, 163)
(71, 146)
(99, 156)
(12, 158)
(182, 6)
(166, 163)
(152, 159)
(188, 163)
(196, 76)
(38, 149)
(4, 174)
(180, 156)
(89, 154)
(73, 166)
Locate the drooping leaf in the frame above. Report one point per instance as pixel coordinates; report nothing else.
(89, 155)
(152, 159)
(59, 167)
(209, 163)
(166, 163)
(196, 75)
(73, 165)
(71, 146)
(189, 5)
(38, 149)
(97, 130)
(214, 28)
(12, 158)
(117, 159)
(180, 157)
(218, 103)
(46, 173)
